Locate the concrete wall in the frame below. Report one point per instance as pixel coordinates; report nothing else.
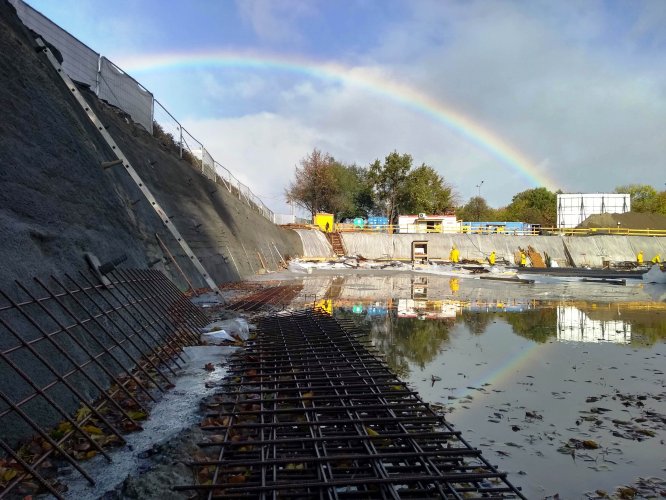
(584, 250)
(315, 243)
(593, 250)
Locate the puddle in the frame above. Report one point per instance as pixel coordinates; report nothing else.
(561, 385)
(177, 410)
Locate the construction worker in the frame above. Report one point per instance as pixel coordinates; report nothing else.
(639, 258)
(491, 258)
(454, 256)
(454, 284)
(656, 259)
(523, 259)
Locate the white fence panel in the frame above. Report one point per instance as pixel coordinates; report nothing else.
(79, 61)
(123, 91)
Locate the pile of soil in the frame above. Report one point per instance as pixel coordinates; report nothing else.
(629, 220)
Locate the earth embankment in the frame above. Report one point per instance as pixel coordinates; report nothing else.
(57, 202)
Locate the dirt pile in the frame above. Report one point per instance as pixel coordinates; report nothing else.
(629, 220)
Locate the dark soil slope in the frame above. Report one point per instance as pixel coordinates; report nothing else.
(56, 202)
(629, 220)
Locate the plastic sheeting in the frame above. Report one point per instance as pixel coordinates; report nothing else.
(80, 62)
(121, 90)
(315, 243)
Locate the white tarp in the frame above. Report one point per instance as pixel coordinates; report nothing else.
(118, 88)
(79, 61)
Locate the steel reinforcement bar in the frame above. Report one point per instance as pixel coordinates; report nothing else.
(308, 411)
(72, 343)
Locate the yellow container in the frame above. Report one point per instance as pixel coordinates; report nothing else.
(324, 221)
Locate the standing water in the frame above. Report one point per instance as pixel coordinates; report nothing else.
(559, 384)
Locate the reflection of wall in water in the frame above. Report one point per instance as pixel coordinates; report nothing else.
(428, 309)
(574, 325)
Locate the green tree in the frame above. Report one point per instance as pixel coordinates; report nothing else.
(388, 181)
(476, 209)
(314, 187)
(536, 206)
(354, 191)
(537, 324)
(424, 190)
(644, 198)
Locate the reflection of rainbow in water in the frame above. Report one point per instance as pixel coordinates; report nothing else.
(521, 360)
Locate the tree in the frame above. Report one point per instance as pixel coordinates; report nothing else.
(536, 206)
(424, 190)
(314, 187)
(644, 198)
(354, 192)
(476, 209)
(388, 181)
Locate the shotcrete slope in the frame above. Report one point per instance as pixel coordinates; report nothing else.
(56, 202)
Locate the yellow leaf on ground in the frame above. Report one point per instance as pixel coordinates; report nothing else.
(91, 429)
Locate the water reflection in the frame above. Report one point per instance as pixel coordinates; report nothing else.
(426, 298)
(573, 325)
(524, 375)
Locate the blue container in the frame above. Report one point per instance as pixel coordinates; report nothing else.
(377, 221)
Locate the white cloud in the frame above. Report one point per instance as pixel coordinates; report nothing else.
(275, 20)
(260, 150)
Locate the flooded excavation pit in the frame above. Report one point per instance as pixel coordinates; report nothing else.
(307, 411)
(560, 383)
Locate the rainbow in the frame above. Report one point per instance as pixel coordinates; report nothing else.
(371, 81)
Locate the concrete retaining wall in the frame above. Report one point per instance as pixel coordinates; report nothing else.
(315, 243)
(583, 250)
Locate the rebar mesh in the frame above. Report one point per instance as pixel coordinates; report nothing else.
(308, 411)
(79, 363)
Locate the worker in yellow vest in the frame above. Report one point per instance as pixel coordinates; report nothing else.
(454, 284)
(454, 256)
(656, 259)
(523, 259)
(491, 258)
(639, 258)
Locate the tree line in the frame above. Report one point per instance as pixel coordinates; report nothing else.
(395, 186)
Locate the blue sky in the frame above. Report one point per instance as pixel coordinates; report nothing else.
(577, 87)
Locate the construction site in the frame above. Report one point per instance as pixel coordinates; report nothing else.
(162, 337)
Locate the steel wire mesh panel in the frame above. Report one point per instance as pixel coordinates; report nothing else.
(308, 411)
(79, 364)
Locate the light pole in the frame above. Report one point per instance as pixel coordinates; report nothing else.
(478, 202)
(478, 186)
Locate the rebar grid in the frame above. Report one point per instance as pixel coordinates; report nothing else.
(308, 411)
(72, 343)
(275, 297)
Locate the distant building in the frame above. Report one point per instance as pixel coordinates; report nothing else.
(488, 227)
(574, 208)
(424, 223)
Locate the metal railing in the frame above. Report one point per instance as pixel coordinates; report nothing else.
(191, 149)
(547, 231)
